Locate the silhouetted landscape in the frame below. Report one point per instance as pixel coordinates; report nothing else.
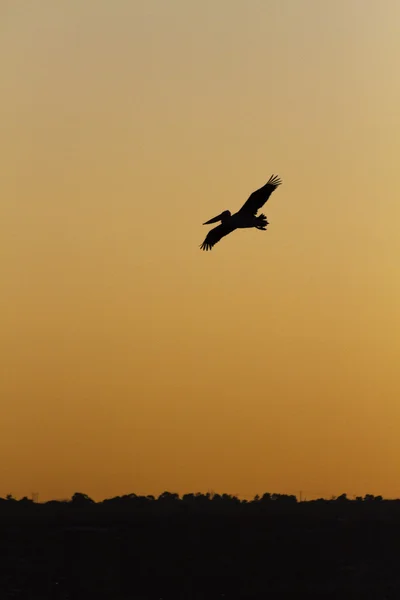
(200, 546)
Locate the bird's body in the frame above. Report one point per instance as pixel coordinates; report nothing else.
(245, 218)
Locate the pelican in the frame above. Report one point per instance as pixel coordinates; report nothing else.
(244, 218)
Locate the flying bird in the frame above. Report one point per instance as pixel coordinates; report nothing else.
(245, 218)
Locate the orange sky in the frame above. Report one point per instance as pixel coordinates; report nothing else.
(130, 361)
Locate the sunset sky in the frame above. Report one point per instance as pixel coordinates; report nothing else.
(131, 361)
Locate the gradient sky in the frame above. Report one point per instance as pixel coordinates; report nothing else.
(130, 361)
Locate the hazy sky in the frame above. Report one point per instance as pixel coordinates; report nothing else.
(130, 361)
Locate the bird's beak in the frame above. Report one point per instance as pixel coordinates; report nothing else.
(214, 220)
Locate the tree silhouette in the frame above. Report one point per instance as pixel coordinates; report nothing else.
(79, 499)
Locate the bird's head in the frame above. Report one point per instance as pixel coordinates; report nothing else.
(224, 216)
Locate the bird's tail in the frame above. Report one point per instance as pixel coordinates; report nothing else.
(262, 222)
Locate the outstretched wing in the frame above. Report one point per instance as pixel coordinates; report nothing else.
(215, 235)
(258, 198)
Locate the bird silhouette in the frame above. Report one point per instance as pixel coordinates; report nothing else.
(245, 218)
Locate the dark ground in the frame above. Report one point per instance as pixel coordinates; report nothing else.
(199, 549)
